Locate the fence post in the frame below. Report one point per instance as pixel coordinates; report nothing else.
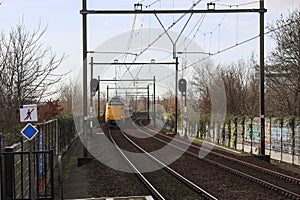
(243, 133)
(251, 135)
(281, 147)
(235, 120)
(52, 172)
(293, 125)
(229, 133)
(60, 177)
(56, 137)
(9, 173)
(223, 135)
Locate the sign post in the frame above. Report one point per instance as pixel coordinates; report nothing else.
(28, 113)
(29, 132)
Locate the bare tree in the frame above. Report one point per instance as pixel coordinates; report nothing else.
(168, 101)
(240, 87)
(283, 73)
(201, 86)
(69, 91)
(27, 71)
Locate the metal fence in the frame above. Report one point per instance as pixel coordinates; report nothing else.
(243, 134)
(28, 175)
(27, 167)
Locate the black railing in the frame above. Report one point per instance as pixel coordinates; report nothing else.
(36, 180)
(27, 167)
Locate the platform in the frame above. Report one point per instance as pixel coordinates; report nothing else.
(119, 198)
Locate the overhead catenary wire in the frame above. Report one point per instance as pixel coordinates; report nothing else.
(165, 32)
(172, 25)
(217, 27)
(198, 25)
(219, 37)
(125, 53)
(132, 31)
(174, 43)
(214, 29)
(129, 44)
(151, 4)
(237, 5)
(231, 47)
(167, 29)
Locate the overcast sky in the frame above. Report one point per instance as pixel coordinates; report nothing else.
(63, 22)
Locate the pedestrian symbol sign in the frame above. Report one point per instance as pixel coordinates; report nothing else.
(28, 113)
(29, 131)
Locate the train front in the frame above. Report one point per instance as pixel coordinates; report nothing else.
(114, 113)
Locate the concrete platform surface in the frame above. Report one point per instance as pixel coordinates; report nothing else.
(119, 198)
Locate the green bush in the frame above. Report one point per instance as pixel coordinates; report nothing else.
(67, 130)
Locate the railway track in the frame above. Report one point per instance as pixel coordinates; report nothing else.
(164, 183)
(284, 185)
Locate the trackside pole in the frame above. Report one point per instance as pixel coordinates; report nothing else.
(154, 103)
(262, 80)
(84, 52)
(185, 118)
(176, 95)
(91, 101)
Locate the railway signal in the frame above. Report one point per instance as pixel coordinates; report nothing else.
(182, 86)
(182, 89)
(94, 86)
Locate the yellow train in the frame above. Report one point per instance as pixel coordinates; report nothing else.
(116, 112)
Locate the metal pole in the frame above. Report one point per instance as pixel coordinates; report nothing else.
(22, 166)
(176, 94)
(170, 11)
(31, 171)
(91, 100)
(185, 117)
(148, 103)
(99, 99)
(182, 118)
(107, 92)
(84, 57)
(136, 103)
(262, 80)
(154, 106)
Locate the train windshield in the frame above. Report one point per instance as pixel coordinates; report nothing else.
(115, 101)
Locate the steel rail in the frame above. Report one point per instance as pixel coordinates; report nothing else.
(152, 189)
(266, 184)
(173, 172)
(249, 165)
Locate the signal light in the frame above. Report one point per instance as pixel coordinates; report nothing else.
(94, 86)
(182, 85)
